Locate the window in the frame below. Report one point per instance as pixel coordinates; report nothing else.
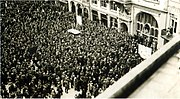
(103, 3)
(147, 28)
(104, 19)
(94, 1)
(95, 15)
(141, 27)
(85, 13)
(152, 31)
(175, 26)
(138, 26)
(113, 6)
(116, 23)
(156, 33)
(173, 23)
(113, 22)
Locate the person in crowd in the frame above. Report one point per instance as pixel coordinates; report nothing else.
(39, 56)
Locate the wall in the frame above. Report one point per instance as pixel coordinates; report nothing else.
(158, 9)
(174, 8)
(160, 5)
(121, 17)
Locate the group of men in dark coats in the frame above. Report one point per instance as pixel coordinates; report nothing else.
(41, 59)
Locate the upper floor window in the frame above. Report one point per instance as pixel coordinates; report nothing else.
(113, 5)
(173, 23)
(94, 1)
(113, 22)
(104, 3)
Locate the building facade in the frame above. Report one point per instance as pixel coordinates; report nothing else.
(145, 18)
(109, 13)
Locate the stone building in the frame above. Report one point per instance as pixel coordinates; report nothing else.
(149, 19)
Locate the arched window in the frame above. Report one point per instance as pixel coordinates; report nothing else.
(148, 27)
(124, 27)
(73, 8)
(152, 31)
(85, 13)
(79, 9)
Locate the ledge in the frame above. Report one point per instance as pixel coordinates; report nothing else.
(152, 1)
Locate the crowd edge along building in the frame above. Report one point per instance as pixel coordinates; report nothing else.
(144, 18)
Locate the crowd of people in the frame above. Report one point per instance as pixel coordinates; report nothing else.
(41, 59)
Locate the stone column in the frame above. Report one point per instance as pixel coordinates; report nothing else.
(108, 5)
(119, 24)
(90, 11)
(76, 8)
(108, 20)
(99, 17)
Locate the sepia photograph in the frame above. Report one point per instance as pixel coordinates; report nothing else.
(99, 49)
